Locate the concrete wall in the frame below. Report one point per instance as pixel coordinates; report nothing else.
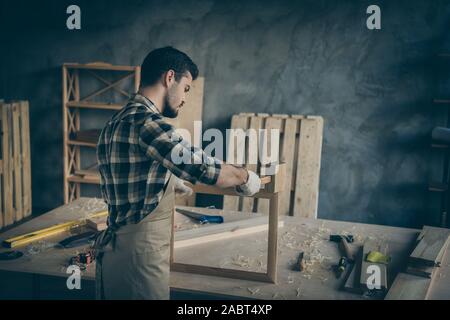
(373, 88)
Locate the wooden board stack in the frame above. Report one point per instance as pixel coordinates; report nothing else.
(15, 166)
(423, 264)
(300, 149)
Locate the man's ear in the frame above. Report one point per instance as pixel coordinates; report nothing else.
(169, 78)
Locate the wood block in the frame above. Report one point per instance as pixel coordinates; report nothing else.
(409, 287)
(422, 271)
(371, 245)
(270, 124)
(231, 203)
(308, 168)
(431, 245)
(97, 224)
(288, 147)
(352, 282)
(256, 123)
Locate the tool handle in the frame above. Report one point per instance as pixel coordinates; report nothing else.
(211, 219)
(345, 248)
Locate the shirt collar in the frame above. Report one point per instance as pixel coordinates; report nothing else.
(139, 98)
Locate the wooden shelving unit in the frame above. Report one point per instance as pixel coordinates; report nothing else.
(74, 139)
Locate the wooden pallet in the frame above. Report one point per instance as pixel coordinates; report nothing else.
(300, 149)
(15, 166)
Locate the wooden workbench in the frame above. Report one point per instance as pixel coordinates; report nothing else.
(41, 272)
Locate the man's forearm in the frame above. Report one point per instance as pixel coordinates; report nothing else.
(231, 176)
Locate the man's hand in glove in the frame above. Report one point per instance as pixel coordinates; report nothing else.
(252, 185)
(181, 189)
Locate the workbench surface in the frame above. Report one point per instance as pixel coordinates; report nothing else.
(243, 253)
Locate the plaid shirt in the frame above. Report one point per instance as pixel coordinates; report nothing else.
(134, 155)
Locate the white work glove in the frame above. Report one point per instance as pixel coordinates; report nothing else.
(181, 189)
(252, 185)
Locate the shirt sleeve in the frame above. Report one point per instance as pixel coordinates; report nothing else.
(159, 141)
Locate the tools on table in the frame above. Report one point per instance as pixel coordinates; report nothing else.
(201, 218)
(342, 265)
(83, 259)
(347, 255)
(78, 240)
(48, 232)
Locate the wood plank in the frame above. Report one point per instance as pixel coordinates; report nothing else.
(408, 287)
(225, 231)
(94, 105)
(8, 214)
(220, 272)
(272, 249)
(26, 158)
(270, 124)
(231, 203)
(288, 146)
(256, 123)
(352, 283)
(422, 271)
(99, 66)
(17, 165)
(432, 242)
(308, 168)
(371, 245)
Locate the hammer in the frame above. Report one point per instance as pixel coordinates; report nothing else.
(343, 245)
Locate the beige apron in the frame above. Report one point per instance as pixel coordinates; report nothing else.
(133, 262)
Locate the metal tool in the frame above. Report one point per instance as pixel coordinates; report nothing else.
(83, 259)
(343, 245)
(340, 268)
(201, 218)
(78, 240)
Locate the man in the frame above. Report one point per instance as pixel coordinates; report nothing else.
(138, 179)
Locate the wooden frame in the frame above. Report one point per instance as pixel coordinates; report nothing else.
(72, 103)
(272, 186)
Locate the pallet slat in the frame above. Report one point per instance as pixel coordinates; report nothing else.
(308, 167)
(237, 122)
(15, 187)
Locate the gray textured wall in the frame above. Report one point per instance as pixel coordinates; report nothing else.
(373, 88)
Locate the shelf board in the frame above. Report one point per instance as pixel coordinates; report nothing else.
(94, 105)
(84, 179)
(439, 145)
(441, 101)
(82, 143)
(437, 187)
(99, 66)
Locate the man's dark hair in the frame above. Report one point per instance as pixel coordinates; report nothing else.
(161, 60)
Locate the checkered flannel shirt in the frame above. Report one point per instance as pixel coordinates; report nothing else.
(134, 159)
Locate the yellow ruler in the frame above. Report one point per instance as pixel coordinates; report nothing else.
(48, 232)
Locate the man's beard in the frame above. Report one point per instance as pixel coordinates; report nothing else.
(168, 110)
